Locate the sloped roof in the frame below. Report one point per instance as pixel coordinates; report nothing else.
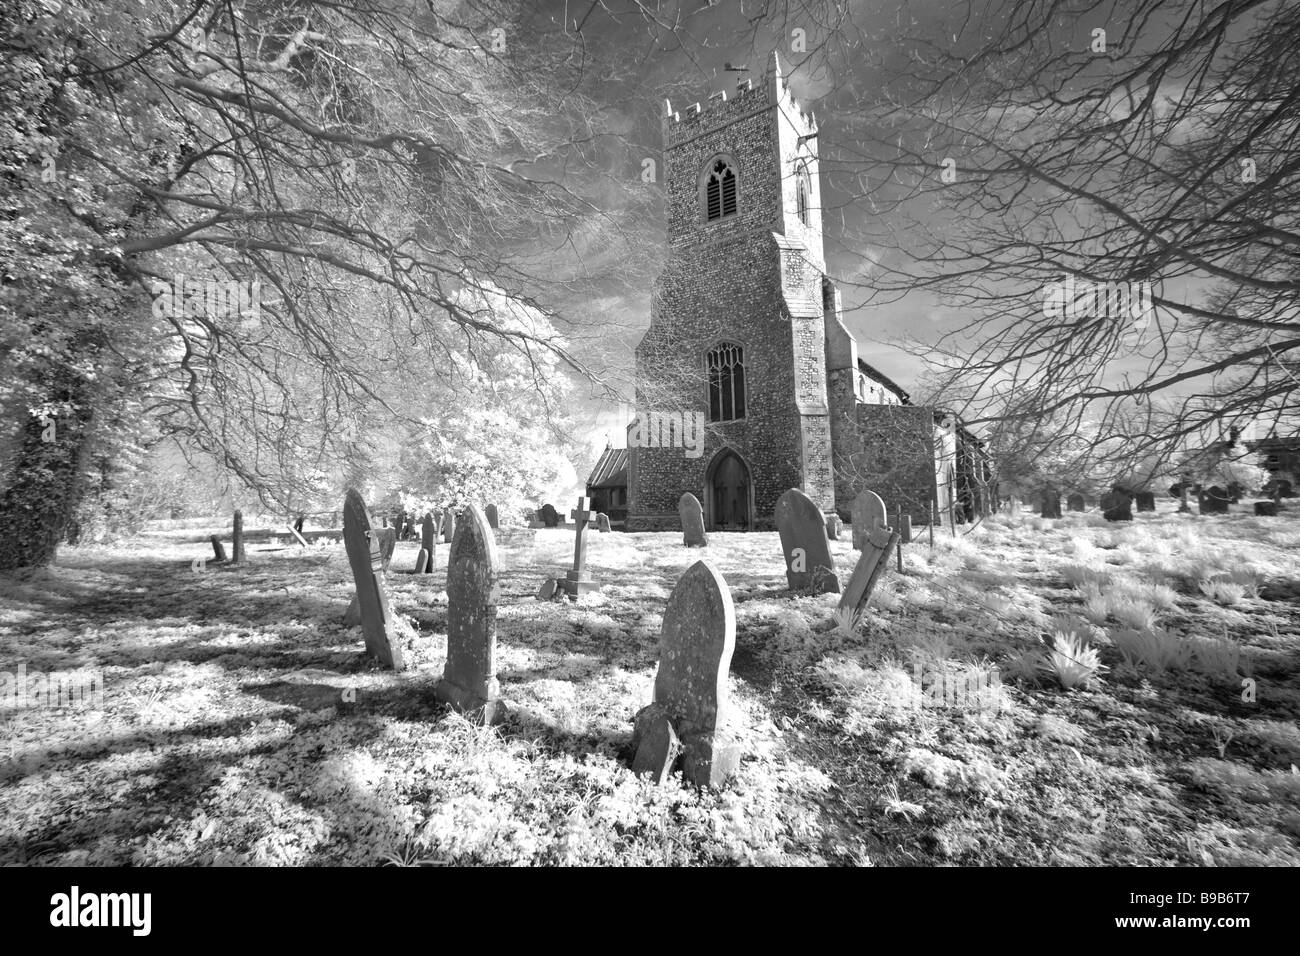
(610, 470)
(885, 380)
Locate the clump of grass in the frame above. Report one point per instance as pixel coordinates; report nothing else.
(1217, 658)
(1080, 576)
(1025, 667)
(1071, 661)
(1096, 607)
(1222, 591)
(1155, 650)
(847, 620)
(1132, 611)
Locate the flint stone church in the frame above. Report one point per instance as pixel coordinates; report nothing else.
(746, 328)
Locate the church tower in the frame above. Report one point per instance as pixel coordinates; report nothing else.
(736, 345)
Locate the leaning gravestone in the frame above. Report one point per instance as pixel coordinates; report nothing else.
(549, 516)
(366, 559)
(1075, 502)
(874, 560)
(690, 696)
(868, 511)
(469, 680)
(692, 515)
(426, 560)
(218, 550)
(834, 526)
(1214, 501)
(1266, 509)
(808, 561)
(448, 525)
(1051, 505)
(1145, 501)
(490, 512)
(602, 522)
(1117, 506)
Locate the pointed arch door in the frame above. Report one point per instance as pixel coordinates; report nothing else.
(729, 494)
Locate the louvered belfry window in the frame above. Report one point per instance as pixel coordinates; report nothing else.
(720, 191)
(726, 383)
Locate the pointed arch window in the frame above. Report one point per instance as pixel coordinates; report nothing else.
(726, 382)
(720, 190)
(803, 193)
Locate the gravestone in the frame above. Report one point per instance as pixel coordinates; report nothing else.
(548, 590)
(875, 557)
(1145, 501)
(578, 582)
(692, 516)
(424, 563)
(387, 543)
(1214, 501)
(834, 526)
(808, 561)
(548, 515)
(218, 550)
(1075, 502)
(868, 511)
(237, 540)
(1050, 503)
(469, 679)
(490, 512)
(905, 528)
(295, 529)
(366, 559)
(1266, 509)
(1117, 506)
(602, 522)
(448, 525)
(690, 695)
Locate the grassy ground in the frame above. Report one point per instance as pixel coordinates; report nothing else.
(241, 723)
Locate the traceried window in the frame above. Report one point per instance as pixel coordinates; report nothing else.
(726, 383)
(720, 191)
(803, 193)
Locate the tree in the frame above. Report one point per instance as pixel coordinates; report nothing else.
(361, 168)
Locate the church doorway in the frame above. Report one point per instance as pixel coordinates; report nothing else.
(728, 493)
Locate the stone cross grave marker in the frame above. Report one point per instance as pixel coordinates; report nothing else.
(469, 680)
(875, 558)
(1075, 502)
(868, 511)
(490, 512)
(692, 517)
(690, 695)
(448, 525)
(578, 582)
(366, 558)
(425, 560)
(808, 561)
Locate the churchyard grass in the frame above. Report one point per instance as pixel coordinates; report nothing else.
(1034, 692)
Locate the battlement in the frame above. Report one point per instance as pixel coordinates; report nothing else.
(723, 107)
